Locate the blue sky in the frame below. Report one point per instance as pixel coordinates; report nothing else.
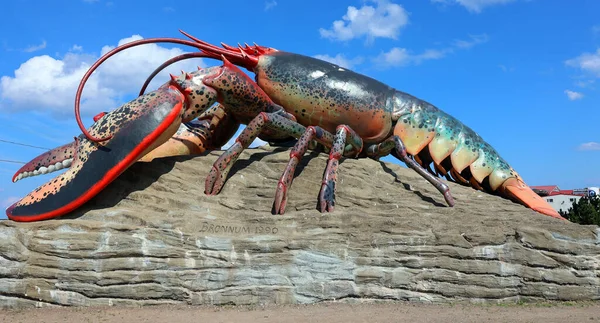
(522, 73)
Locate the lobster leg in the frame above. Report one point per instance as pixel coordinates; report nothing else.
(299, 149)
(274, 121)
(327, 193)
(394, 142)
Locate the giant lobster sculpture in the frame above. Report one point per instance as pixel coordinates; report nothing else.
(293, 97)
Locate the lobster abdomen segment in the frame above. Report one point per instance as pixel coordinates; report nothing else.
(423, 126)
(459, 153)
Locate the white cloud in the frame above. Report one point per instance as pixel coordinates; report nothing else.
(474, 40)
(385, 21)
(35, 48)
(9, 201)
(394, 57)
(341, 60)
(590, 146)
(475, 6)
(585, 83)
(506, 69)
(48, 84)
(270, 4)
(401, 56)
(574, 95)
(587, 62)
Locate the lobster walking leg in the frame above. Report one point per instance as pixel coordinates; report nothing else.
(327, 193)
(382, 149)
(274, 121)
(299, 149)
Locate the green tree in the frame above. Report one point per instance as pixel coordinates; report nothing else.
(585, 211)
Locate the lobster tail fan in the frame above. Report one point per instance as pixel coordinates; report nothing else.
(517, 190)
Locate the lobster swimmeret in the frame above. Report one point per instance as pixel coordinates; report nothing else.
(305, 98)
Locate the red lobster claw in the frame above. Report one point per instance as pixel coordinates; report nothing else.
(135, 129)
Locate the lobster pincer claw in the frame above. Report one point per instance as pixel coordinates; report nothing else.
(135, 129)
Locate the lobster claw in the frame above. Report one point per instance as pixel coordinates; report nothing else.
(136, 128)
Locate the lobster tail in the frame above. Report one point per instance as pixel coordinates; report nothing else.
(458, 153)
(516, 190)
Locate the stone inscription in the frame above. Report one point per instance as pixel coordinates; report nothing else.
(237, 229)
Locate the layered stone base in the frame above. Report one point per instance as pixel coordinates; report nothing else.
(153, 237)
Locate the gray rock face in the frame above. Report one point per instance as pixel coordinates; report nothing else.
(153, 237)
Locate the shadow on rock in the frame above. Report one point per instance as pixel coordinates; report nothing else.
(305, 160)
(408, 187)
(243, 163)
(137, 178)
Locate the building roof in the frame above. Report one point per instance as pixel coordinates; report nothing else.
(544, 190)
(547, 188)
(565, 192)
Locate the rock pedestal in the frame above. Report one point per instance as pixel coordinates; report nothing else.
(154, 237)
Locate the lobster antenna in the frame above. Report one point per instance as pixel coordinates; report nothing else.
(227, 46)
(211, 46)
(231, 52)
(173, 61)
(104, 58)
